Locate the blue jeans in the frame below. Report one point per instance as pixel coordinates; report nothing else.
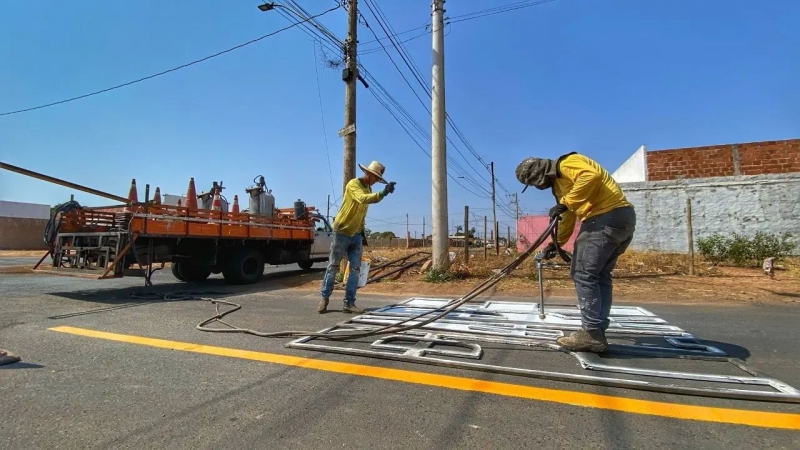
(341, 245)
(600, 242)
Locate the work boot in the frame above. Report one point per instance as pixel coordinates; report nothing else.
(352, 309)
(6, 357)
(593, 341)
(322, 306)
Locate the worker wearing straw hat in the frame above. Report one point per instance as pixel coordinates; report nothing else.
(349, 237)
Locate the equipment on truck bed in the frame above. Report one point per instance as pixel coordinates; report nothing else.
(199, 238)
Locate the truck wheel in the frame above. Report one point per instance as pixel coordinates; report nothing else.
(305, 265)
(177, 271)
(190, 272)
(246, 267)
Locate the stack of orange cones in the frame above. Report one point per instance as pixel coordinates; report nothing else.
(191, 195)
(157, 196)
(235, 208)
(216, 203)
(133, 196)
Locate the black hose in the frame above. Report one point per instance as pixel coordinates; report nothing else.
(53, 225)
(551, 231)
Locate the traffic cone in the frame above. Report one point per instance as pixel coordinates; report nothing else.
(179, 203)
(216, 203)
(191, 195)
(133, 196)
(235, 208)
(157, 196)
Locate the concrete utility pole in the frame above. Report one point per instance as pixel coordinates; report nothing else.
(423, 231)
(516, 218)
(485, 241)
(494, 214)
(328, 213)
(408, 234)
(350, 76)
(438, 143)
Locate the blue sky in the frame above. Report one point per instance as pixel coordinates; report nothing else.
(599, 77)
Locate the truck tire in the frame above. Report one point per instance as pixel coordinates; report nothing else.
(305, 265)
(190, 272)
(246, 267)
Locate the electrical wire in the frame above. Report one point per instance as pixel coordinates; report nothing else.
(197, 61)
(400, 326)
(322, 117)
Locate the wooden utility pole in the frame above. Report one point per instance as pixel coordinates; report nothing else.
(350, 76)
(466, 234)
(485, 241)
(494, 214)
(690, 234)
(441, 238)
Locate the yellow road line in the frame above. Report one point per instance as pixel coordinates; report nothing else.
(647, 407)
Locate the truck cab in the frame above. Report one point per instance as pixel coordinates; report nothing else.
(323, 236)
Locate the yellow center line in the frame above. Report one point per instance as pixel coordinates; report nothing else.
(629, 405)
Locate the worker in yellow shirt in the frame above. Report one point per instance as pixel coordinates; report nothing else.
(584, 190)
(349, 237)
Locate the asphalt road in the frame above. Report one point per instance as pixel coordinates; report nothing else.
(78, 389)
(10, 261)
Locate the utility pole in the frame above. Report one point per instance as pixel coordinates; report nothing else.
(328, 213)
(408, 234)
(485, 241)
(466, 234)
(350, 76)
(439, 143)
(494, 213)
(423, 231)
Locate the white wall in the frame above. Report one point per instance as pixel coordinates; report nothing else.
(634, 169)
(24, 210)
(744, 204)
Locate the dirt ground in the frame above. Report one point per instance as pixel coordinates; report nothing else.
(638, 277)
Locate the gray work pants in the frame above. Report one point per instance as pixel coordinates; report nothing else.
(600, 241)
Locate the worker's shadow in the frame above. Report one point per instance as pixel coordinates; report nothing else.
(21, 365)
(732, 350)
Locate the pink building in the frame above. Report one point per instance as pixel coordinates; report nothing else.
(531, 227)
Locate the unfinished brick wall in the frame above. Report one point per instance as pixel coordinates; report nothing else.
(752, 158)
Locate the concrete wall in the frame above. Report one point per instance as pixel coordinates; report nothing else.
(752, 158)
(21, 234)
(743, 204)
(634, 169)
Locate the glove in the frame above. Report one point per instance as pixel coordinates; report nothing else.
(558, 210)
(549, 252)
(364, 239)
(388, 189)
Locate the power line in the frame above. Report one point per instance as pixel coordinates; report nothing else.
(169, 70)
(498, 10)
(322, 116)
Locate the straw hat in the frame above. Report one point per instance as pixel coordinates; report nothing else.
(376, 169)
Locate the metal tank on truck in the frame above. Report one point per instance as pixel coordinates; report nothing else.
(206, 199)
(262, 202)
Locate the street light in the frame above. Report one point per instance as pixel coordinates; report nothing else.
(267, 6)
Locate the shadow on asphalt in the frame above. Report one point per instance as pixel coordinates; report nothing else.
(132, 296)
(733, 350)
(21, 365)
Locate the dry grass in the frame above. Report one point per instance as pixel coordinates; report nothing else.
(21, 253)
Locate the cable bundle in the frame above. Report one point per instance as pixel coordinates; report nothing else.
(52, 227)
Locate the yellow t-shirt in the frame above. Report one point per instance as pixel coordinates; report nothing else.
(352, 216)
(587, 189)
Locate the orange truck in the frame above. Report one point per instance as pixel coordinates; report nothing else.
(197, 238)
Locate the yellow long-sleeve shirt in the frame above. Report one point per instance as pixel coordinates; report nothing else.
(352, 216)
(587, 190)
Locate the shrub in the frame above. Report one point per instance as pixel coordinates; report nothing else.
(743, 251)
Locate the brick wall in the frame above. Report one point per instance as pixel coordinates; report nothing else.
(752, 158)
(21, 234)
